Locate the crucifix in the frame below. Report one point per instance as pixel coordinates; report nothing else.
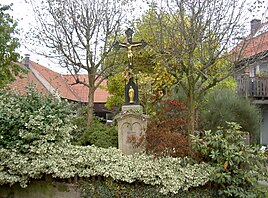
(131, 88)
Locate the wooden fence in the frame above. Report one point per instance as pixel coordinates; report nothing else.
(252, 87)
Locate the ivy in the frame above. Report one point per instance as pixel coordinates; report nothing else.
(65, 161)
(33, 119)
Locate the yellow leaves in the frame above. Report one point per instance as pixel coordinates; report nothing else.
(265, 155)
(225, 166)
(128, 74)
(227, 163)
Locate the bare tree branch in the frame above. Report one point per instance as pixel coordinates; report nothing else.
(80, 34)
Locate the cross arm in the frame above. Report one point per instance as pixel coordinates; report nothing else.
(117, 45)
(143, 44)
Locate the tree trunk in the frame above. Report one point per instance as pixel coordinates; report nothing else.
(191, 119)
(90, 107)
(191, 112)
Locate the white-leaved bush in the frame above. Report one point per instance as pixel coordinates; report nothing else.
(33, 119)
(170, 174)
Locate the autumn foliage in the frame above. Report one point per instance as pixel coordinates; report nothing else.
(165, 134)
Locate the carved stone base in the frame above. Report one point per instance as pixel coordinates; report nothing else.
(133, 108)
(131, 129)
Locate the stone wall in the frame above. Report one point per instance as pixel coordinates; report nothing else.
(41, 189)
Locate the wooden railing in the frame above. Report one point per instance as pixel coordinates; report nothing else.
(253, 87)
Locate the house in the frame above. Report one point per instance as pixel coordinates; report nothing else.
(253, 78)
(61, 86)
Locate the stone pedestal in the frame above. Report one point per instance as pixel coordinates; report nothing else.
(132, 125)
(132, 108)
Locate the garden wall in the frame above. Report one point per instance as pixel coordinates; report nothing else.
(41, 189)
(95, 187)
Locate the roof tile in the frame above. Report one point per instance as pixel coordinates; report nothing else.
(254, 44)
(63, 84)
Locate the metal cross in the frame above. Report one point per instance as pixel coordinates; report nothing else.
(131, 88)
(130, 45)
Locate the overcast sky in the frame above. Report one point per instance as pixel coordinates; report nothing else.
(23, 13)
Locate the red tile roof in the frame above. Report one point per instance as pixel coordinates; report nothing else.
(44, 79)
(254, 44)
(56, 81)
(21, 83)
(100, 95)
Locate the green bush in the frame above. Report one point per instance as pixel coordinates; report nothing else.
(224, 106)
(107, 187)
(98, 133)
(33, 119)
(238, 167)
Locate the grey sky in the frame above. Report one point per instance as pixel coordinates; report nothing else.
(23, 13)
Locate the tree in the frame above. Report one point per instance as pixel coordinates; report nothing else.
(224, 106)
(8, 44)
(153, 78)
(151, 84)
(80, 34)
(191, 39)
(115, 87)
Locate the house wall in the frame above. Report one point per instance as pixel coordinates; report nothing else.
(264, 126)
(261, 68)
(256, 69)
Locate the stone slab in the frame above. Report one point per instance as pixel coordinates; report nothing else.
(132, 107)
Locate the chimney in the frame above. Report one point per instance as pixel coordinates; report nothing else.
(255, 24)
(27, 61)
